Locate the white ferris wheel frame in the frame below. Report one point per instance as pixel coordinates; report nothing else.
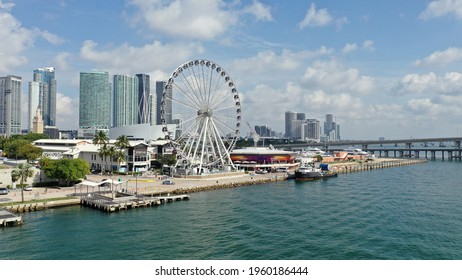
(212, 126)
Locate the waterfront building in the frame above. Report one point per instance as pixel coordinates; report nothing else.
(125, 100)
(95, 103)
(10, 109)
(43, 94)
(253, 158)
(138, 155)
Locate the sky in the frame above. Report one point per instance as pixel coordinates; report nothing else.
(388, 69)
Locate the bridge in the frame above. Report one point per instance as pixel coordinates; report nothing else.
(449, 147)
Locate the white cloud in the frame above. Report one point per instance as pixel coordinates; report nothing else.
(334, 78)
(441, 58)
(439, 8)
(269, 60)
(349, 48)
(51, 38)
(430, 83)
(320, 17)
(315, 17)
(67, 112)
(205, 19)
(259, 11)
(144, 59)
(368, 45)
(19, 39)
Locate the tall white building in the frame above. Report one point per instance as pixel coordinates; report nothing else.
(125, 101)
(10, 105)
(43, 95)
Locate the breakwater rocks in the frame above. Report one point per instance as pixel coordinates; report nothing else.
(217, 186)
(382, 163)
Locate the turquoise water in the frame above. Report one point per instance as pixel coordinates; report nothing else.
(410, 212)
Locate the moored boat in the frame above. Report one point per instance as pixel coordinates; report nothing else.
(308, 172)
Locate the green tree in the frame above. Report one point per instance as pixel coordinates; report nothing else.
(101, 140)
(12, 148)
(119, 156)
(30, 152)
(66, 170)
(104, 152)
(122, 142)
(22, 172)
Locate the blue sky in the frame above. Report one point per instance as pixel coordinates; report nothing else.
(383, 68)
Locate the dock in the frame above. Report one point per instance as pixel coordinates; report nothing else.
(125, 201)
(9, 219)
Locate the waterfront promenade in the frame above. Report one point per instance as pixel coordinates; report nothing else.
(152, 185)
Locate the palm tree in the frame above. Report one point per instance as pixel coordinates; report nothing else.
(101, 140)
(22, 172)
(119, 156)
(122, 142)
(104, 152)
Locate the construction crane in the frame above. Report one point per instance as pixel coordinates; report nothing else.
(254, 134)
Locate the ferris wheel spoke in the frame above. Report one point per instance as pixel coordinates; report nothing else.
(188, 83)
(224, 124)
(198, 85)
(184, 104)
(192, 97)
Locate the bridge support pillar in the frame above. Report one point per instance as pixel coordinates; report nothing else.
(433, 154)
(450, 155)
(416, 153)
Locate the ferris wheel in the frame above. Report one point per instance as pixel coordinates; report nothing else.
(201, 115)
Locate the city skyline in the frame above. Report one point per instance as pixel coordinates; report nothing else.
(371, 64)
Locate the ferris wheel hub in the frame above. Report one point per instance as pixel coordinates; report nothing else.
(205, 112)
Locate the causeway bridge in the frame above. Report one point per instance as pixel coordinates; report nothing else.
(446, 147)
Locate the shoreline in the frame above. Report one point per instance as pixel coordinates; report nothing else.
(149, 186)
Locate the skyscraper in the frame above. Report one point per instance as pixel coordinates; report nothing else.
(144, 98)
(289, 117)
(160, 85)
(42, 95)
(95, 100)
(331, 129)
(125, 101)
(10, 105)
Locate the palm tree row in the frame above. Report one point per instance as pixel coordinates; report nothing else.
(116, 152)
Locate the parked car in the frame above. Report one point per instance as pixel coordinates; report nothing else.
(28, 188)
(4, 191)
(168, 182)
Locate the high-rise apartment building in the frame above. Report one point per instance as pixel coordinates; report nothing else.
(42, 95)
(95, 100)
(10, 105)
(144, 99)
(168, 107)
(125, 101)
(313, 130)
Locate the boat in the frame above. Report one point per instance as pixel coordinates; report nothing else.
(308, 172)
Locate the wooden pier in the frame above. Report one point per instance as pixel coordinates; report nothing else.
(124, 201)
(9, 219)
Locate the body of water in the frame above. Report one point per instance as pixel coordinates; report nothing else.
(410, 212)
